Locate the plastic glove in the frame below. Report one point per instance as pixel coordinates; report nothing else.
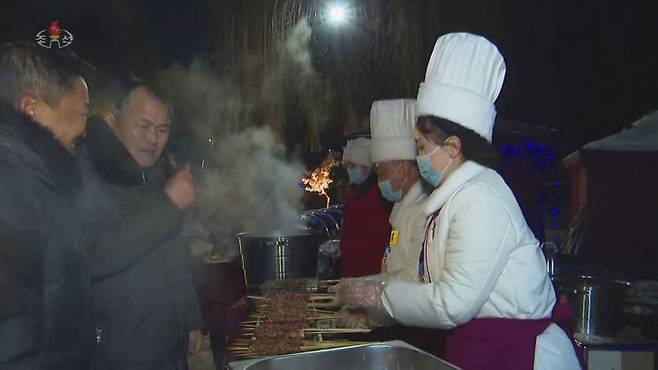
(358, 292)
(352, 318)
(364, 293)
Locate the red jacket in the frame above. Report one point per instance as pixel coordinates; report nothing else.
(365, 233)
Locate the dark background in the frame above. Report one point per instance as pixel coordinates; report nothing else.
(586, 68)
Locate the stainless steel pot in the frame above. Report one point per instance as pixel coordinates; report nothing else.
(278, 255)
(597, 302)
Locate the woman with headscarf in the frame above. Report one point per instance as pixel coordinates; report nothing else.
(481, 270)
(365, 230)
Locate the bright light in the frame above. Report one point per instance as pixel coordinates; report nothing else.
(337, 13)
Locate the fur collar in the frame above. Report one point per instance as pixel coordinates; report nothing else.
(114, 162)
(27, 143)
(440, 195)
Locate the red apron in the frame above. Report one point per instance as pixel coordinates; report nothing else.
(496, 343)
(503, 344)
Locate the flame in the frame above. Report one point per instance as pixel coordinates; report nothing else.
(319, 179)
(54, 30)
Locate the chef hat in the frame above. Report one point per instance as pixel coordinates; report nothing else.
(463, 79)
(392, 125)
(358, 151)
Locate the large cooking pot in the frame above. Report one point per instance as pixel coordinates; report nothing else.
(278, 255)
(597, 302)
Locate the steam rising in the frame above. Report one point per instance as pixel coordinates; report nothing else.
(251, 187)
(248, 184)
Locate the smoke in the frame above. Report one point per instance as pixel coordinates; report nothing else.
(296, 48)
(252, 186)
(209, 104)
(248, 183)
(292, 83)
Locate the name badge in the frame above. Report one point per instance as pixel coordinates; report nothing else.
(395, 238)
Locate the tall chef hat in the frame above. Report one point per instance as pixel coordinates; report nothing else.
(463, 79)
(392, 125)
(358, 151)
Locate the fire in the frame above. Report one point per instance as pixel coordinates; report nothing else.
(54, 30)
(319, 179)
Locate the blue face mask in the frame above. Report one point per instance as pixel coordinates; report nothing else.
(430, 175)
(356, 176)
(386, 188)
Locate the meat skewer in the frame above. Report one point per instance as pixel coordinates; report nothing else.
(283, 319)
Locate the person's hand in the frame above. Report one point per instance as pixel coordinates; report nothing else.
(359, 292)
(363, 294)
(180, 189)
(195, 342)
(352, 318)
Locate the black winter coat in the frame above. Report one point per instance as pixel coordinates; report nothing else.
(45, 296)
(143, 291)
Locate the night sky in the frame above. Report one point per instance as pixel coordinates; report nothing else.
(586, 68)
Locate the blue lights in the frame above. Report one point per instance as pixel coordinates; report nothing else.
(545, 158)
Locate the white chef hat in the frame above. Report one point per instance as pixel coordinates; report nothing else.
(392, 125)
(463, 79)
(358, 151)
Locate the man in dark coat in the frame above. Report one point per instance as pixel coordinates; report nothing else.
(142, 289)
(45, 296)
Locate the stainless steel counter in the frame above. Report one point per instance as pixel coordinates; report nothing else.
(392, 355)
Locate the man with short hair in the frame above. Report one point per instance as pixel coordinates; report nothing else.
(45, 297)
(148, 313)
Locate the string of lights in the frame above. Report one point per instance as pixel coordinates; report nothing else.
(545, 158)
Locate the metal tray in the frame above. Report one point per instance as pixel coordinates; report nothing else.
(392, 355)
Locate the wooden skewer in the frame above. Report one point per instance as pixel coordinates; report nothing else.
(323, 316)
(312, 297)
(337, 330)
(325, 311)
(241, 342)
(321, 345)
(311, 347)
(321, 296)
(323, 330)
(310, 306)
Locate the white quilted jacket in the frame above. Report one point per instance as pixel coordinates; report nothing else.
(482, 260)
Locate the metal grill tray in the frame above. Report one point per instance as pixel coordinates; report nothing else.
(392, 355)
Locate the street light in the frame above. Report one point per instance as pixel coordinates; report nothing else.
(337, 13)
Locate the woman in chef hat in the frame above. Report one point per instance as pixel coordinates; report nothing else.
(481, 271)
(365, 230)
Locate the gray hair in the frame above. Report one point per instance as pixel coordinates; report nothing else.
(48, 74)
